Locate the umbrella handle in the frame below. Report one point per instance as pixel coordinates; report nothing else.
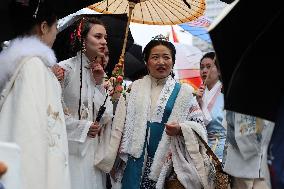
(131, 8)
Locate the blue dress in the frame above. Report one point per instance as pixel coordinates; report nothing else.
(215, 129)
(134, 177)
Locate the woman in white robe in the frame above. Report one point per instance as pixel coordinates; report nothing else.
(86, 71)
(31, 113)
(155, 129)
(211, 101)
(245, 154)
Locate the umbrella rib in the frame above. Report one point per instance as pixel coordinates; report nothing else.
(150, 11)
(191, 5)
(157, 11)
(118, 6)
(161, 1)
(142, 13)
(180, 6)
(101, 2)
(98, 4)
(196, 5)
(126, 9)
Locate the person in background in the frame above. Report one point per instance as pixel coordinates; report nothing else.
(245, 154)
(31, 113)
(211, 101)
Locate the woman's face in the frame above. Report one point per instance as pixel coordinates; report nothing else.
(160, 62)
(96, 41)
(49, 33)
(207, 71)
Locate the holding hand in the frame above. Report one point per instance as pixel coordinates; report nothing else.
(98, 70)
(94, 130)
(58, 72)
(199, 95)
(173, 129)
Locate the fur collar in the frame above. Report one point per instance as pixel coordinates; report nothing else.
(20, 48)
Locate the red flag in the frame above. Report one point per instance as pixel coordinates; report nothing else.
(175, 38)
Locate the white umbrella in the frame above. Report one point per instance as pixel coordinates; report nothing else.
(71, 18)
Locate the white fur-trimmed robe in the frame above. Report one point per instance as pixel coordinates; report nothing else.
(31, 113)
(188, 154)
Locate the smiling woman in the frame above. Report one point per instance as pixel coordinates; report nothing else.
(151, 127)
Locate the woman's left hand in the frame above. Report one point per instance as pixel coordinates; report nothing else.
(173, 129)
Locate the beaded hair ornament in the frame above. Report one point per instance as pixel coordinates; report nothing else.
(160, 37)
(76, 36)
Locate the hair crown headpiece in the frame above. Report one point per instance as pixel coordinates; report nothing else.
(160, 37)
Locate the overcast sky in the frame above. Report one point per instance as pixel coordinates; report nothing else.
(143, 33)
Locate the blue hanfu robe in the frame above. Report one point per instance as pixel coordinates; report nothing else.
(133, 177)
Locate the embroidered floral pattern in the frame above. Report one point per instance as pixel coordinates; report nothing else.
(53, 118)
(163, 99)
(146, 182)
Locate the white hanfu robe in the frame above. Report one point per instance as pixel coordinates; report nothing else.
(82, 149)
(31, 114)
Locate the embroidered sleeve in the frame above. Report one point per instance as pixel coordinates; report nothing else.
(77, 130)
(195, 113)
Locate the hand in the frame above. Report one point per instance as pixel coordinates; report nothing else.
(58, 72)
(3, 168)
(98, 70)
(94, 130)
(173, 129)
(199, 94)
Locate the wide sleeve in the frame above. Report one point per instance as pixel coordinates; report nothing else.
(77, 130)
(106, 161)
(194, 153)
(195, 113)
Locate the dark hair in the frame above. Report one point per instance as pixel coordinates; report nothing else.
(26, 16)
(81, 31)
(154, 43)
(212, 55)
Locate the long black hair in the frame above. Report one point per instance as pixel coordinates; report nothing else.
(26, 15)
